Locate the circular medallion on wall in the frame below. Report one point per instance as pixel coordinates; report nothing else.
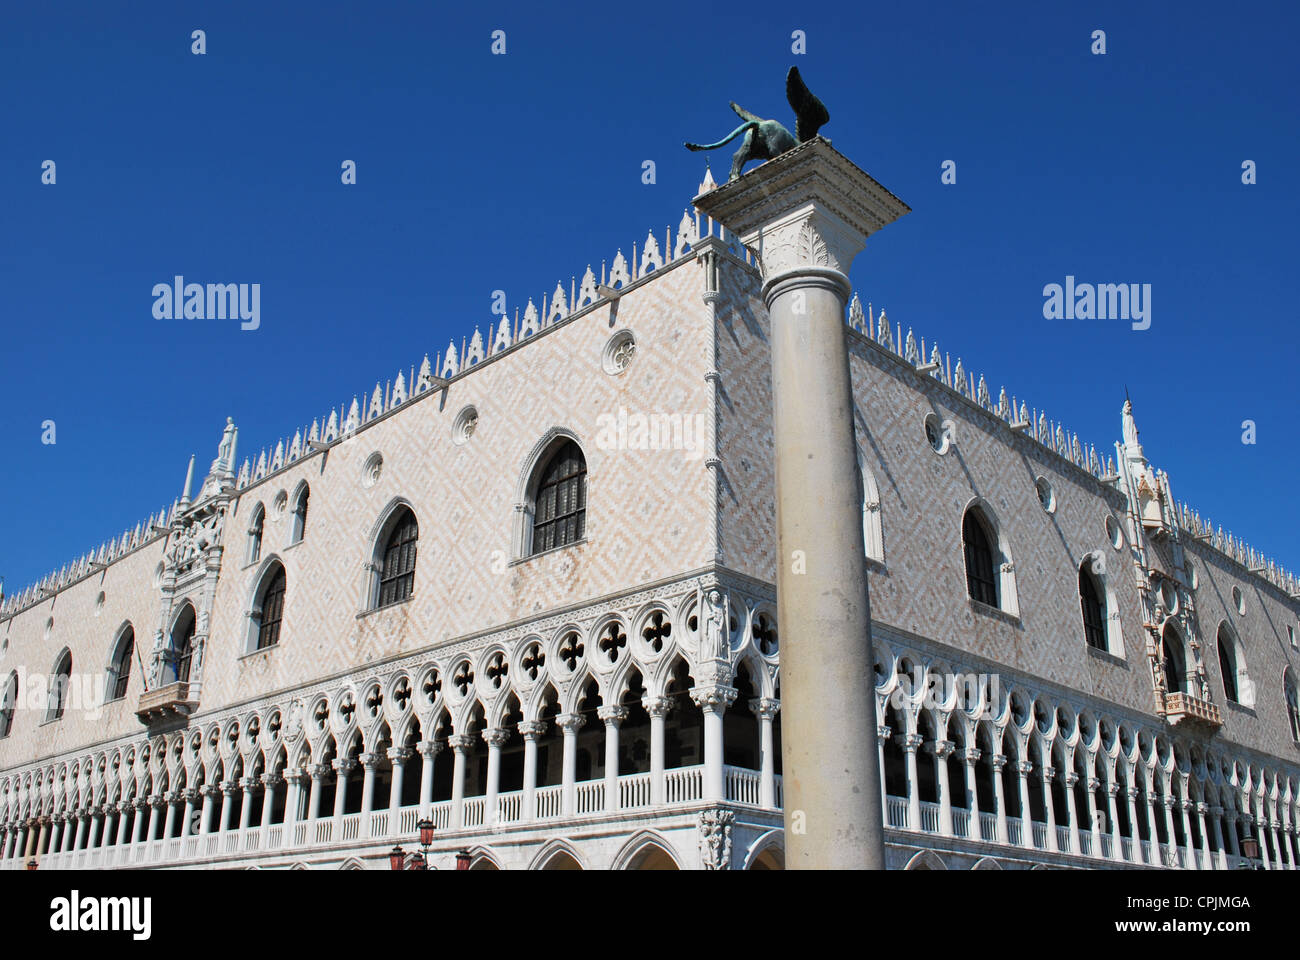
(465, 424)
(372, 470)
(619, 352)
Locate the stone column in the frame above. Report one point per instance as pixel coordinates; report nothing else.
(187, 816)
(169, 818)
(883, 733)
(1168, 803)
(1116, 842)
(1135, 838)
(910, 743)
(1207, 859)
(569, 724)
(1000, 761)
(398, 756)
(369, 762)
(83, 823)
(122, 807)
(1094, 826)
(806, 215)
(530, 730)
(1023, 768)
(940, 750)
(292, 804)
(459, 743)
(205, 814)
(1216, 821)
(766, 710)
(612, 717)
(1185, 807)
(56, 831)
(151, 834)
(1069, 778)
(970, 756)
(342, 768)
(247, 786)
(271, 784)
(98, 822)
(1151, 829)
(429, 751)
(1047, 775)
(713, 699)
(317, 772)
(137, 822)
(496, 738)
(1234, 847)
(657, 708)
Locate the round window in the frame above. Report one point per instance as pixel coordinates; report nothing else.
(1046, 496)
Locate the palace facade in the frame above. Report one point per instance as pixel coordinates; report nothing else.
(526, 592)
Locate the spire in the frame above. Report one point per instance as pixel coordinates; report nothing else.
(1132, 448)
(189, 482)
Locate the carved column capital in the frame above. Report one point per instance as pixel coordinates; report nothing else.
(614, 714)
(460, 742)
(496, 736)
(713, 697)
(569, 722)
(657, 706)
(430, 748)
(532, 729)
(400, 754)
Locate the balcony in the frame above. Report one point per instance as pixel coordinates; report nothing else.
(166, 703)
(1183, 708)
(683, 791)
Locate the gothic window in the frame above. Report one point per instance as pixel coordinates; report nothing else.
(255, 534)
(300, 515)
(1094, 609)
(872, 535)
(181, 649)
(561, 511)
(397, 562)
(1288, 686)
(119, 670)
(269, 610)
(59, 679)
(1171, 651)
(7, 705)
(981, 580)
(1228, 666)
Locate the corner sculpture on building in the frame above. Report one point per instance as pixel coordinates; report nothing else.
(444, 599)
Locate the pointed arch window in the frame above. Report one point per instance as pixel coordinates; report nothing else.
(299, 529)
(119, 670)
(1094, 610)
(1171, 650)
(8, 703)
(181, 650)
(1228, 667)
(560, 517)
(59, 680)
(255, 534)
(981, 581)
(1292, 703)
(397, 563)
(270, 610)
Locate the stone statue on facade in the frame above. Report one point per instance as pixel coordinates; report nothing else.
(766, 139)
(713, 627)
(155, 660)
(715, 839)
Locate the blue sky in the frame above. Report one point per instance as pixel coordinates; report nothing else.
(478, 172)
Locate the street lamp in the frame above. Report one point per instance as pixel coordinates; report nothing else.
(31, 864)
(398, 860)
(463, 858)
(1249, 850)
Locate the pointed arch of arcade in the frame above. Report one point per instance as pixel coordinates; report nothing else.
(557, 855)
(646, 850)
